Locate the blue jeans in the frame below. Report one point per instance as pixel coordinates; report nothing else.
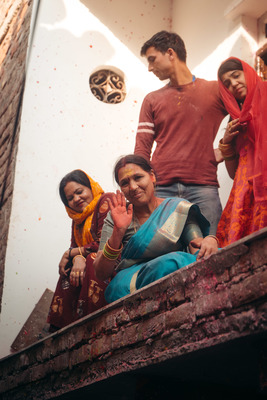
(206, 197)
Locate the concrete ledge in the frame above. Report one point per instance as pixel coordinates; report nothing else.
(203, 306)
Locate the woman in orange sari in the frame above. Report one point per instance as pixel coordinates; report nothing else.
(79, 292)
(244, 148)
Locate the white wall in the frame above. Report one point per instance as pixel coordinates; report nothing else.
(64, 127)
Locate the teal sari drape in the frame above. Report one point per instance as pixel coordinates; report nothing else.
(155, 250)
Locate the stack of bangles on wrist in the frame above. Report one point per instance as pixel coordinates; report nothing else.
(110, 253)
(227, 150)
(214, 237)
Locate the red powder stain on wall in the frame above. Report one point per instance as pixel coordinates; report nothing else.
(91, 46)
(39, 219)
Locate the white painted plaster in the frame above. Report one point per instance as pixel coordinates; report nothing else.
(64, 127)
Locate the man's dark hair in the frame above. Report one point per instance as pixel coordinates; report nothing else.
(74, 176)
(163, 40)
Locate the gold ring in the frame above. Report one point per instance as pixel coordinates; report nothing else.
(77, 273)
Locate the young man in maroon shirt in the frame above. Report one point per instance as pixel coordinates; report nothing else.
(182, 118)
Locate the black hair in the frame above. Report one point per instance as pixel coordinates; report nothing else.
(162, 41)
(74, 176)
(229, 65)
(132, 159)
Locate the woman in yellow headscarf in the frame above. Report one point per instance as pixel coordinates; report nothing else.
(79, 292)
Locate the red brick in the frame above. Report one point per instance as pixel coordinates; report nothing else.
(202, 287)
(140, 305)
(212, 303)
(99, 346)
(259, 252)
(252, 288)
(78, 356)
(185, 313)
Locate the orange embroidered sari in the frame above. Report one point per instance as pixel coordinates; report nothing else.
(246, 208)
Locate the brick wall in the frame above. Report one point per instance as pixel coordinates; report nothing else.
(210, 314)
(14, 33)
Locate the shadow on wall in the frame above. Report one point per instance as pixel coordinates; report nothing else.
(203, 26)
(124, 19)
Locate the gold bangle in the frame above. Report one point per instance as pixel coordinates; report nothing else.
(227, 150)
(79, 255)
(214, 237)
(111, 254)
(80, 251)
(114, 250)
(225, 146)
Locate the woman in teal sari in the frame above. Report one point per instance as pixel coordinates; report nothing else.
(149, 237)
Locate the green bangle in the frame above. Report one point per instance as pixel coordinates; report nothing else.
(110, 256)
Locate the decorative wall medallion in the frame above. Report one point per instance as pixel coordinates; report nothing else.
(108, 86)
